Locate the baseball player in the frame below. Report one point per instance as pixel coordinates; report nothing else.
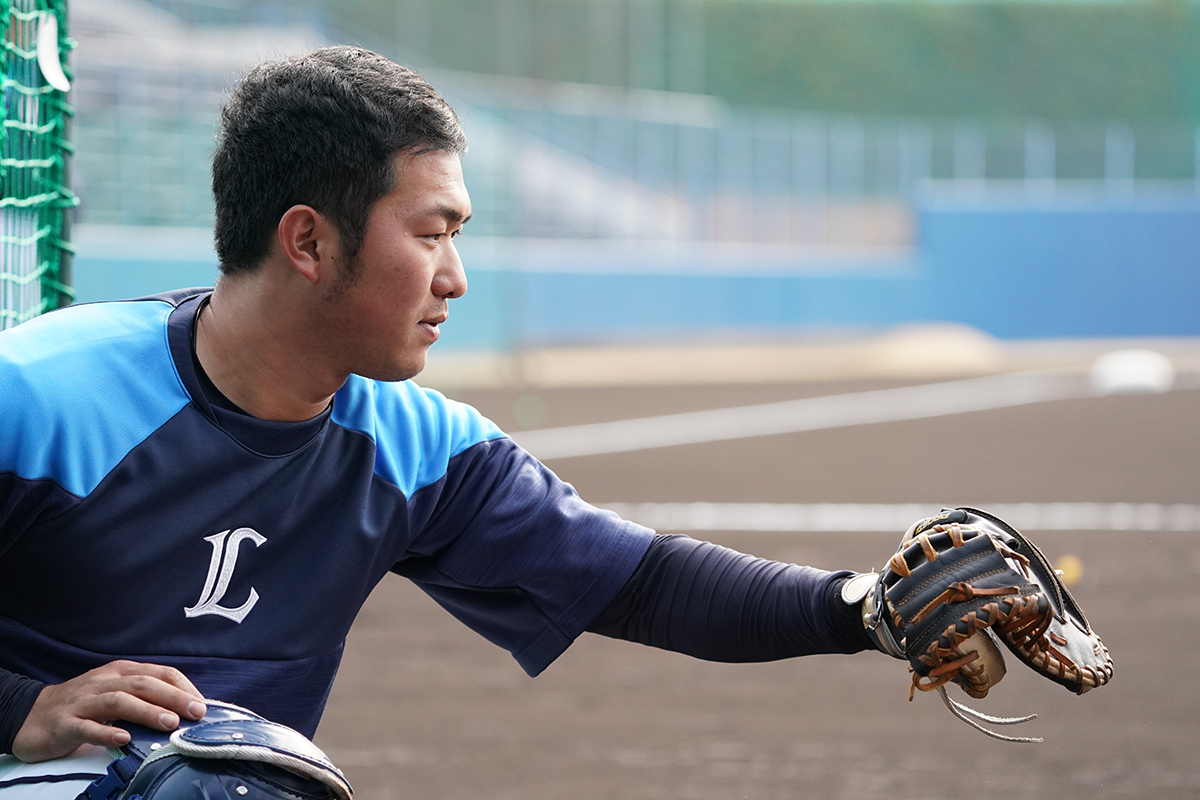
(199, 490)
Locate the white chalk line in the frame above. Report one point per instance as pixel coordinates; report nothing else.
(813, 413)
(869, 517)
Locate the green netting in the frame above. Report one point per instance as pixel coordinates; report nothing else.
(35, 200)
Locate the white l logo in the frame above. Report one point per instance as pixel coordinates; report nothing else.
(220, 572)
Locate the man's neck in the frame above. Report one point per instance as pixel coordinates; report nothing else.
(253, 348)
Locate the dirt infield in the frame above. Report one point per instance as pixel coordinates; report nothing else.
(424, 708)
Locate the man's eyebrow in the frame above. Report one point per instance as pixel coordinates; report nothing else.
(451, 214)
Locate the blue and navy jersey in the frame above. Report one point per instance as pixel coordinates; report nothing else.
(140, 521)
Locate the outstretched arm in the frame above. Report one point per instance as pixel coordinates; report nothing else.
(718, 604)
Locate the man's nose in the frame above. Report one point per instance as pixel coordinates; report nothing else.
(451, 278)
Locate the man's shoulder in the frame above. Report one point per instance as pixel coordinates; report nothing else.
(61, 353)
(416, 431)
(83, 330)
(93, 378)
(384, 405)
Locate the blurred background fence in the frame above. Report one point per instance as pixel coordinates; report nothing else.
(826, 146)
(710, 170)
(35, 202)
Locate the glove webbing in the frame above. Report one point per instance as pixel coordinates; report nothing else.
(970, 715)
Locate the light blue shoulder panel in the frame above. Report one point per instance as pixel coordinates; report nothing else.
(416, 431)
(81, 387)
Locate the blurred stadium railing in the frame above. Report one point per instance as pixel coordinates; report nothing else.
(578, 161)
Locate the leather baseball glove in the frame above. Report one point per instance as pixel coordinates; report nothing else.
(961, 583)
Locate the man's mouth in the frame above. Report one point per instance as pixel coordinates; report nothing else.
(432, 323)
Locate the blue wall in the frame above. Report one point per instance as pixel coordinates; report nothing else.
(1066, 271)
(564, 307)
(1013, 270)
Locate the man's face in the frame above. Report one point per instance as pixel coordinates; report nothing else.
(384, 316)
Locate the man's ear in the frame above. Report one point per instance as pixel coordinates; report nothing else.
(309, 242)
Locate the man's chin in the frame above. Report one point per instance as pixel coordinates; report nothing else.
(399, 371)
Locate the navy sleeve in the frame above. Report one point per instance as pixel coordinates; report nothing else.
(718, 604)
(17, 695)
(514, 553)
(21, 503)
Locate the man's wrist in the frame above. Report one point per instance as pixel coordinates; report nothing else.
(17, 696)
(846, 614)
(862, 593)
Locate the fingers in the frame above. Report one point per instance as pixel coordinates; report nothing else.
(76, 712)
(133, 700)
(148, 694)
(89, 732)
(158, 672)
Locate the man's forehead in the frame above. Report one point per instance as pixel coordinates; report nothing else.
(431, 183)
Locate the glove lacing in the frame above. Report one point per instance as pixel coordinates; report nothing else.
(881, 634)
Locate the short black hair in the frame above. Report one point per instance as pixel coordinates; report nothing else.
(321, 129)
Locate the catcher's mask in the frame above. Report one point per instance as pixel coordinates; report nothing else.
(231, 754)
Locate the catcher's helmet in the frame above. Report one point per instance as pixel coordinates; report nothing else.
(231, 754)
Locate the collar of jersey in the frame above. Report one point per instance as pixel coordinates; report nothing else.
(268, 437)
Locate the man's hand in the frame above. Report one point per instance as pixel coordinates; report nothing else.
(70, 714)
